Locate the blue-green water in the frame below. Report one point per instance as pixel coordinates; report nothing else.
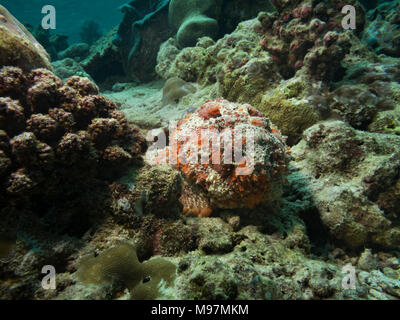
(70, 13)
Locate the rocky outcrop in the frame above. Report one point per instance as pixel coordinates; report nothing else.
(18, 47)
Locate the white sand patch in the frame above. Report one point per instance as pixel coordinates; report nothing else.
(142, 105)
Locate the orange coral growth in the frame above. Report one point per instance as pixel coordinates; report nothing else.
(273, 129)
(258, 122)
(209, 111)
(254, 112)
(197, 212)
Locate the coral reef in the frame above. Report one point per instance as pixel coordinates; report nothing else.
(277, 222)
(188, 64)
(291, 109)
(350, 174)
(249, 265)
(67, 68)
(291, 40)
(256, 173)
(59, 137)
(368, 261)
(194, 19)
(258, 275)
(160, 188)
(18, 47)
(355, 104)
(146, 25)
(368, 96)
(77, 51)
(382, 31)
(281, 62)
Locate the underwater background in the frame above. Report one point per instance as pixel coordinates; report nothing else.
(71, 14)
(120, 173)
